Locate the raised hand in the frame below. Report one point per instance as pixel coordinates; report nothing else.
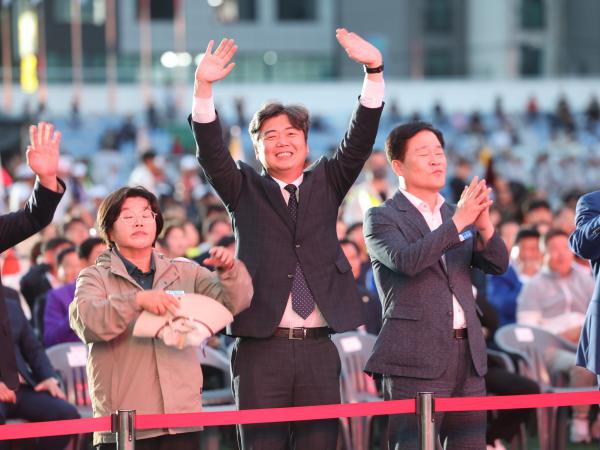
(216, 66)
(42, 153)
(220, 258)
(358, 49)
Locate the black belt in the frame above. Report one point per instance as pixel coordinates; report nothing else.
(460, 333)
(302, 333)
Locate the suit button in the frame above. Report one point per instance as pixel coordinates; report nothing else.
(297, 245)
(290, 275)
(451, 286)
(449, 313)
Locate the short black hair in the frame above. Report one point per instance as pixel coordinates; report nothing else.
(395, 144)
(85, 248)
(63, 253)
(538, 204)
(55, 242)
(527, 232)
(225, 241)
(551, 234)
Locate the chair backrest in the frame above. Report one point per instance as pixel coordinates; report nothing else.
(69, 360)
(354, 349)
(531, 344)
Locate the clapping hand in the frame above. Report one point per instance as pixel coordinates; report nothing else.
(220, 258)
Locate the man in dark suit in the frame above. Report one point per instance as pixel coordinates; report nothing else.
(585, 243)
(42, 158)
(285, 227)
(422, 251)
(39, 397)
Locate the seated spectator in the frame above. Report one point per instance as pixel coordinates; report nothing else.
(538, 213)
(89, 250)
(127, 279)
(372, 310)
(172, 240)
(76, 231)
(213, 229)
(503, 290)
(42, 277)
(556, 299)
(56, 327)
(39, 397)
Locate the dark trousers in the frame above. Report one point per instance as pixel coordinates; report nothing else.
(505, 424)
(276, 373)
(38, 407)
(182, 441)
(462, 430)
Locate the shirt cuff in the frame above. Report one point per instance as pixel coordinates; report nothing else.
(203, 110)
(371, 95)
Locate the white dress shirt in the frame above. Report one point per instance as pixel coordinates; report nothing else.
(434, 220)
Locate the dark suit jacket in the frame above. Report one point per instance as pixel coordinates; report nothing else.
(585, 242)
(270, 244)
(32, 362)
(35, 283)
(14, 228)
(416, 288)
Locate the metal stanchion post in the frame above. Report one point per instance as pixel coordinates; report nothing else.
(123, 424)
(425, 411)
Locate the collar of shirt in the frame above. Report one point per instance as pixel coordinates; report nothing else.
(421, 205)
(132, 269)
(282, 184)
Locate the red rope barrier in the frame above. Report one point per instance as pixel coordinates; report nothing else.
(146, 421)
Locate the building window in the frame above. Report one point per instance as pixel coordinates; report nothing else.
(92, 12)
(304, 10)
(438, 62)
(439, 16)
(228, 11)
(531, 59)
(159, 9)
(533, 15)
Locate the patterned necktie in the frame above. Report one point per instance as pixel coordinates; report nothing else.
(303, 302)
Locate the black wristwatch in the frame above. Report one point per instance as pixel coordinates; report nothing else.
(373, 69)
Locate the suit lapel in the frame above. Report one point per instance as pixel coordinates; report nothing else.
(412, 214)
(276, 199)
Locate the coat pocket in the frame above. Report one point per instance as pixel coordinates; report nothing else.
(406, 312)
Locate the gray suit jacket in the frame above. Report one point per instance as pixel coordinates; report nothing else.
(416, 288)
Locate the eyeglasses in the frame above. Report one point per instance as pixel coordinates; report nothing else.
(146, 217)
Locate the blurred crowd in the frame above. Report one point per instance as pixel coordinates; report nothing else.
(538, 163)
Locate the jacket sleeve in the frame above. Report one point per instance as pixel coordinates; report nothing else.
(96, 315)
(232, 288)
(37, 213)
(32, 350)
(585, 240)
(387, 243)
(354, 150)
(493, 258)
(216, 161)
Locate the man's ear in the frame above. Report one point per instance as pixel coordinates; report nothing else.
(398, 167)
(256, 151)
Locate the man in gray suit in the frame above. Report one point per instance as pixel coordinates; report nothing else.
(422, 251)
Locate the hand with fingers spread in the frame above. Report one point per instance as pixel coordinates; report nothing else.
(220, 258)
(483, 221)
(50, 385)
(358, 49)
(473, 200)
(157, 302)
(214, 66)
(42, 153)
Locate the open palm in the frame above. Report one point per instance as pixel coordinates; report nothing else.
(42, 152)
(216, 66)
(358, 49)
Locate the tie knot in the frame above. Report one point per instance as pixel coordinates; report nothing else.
(291, 188)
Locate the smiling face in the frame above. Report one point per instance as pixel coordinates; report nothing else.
(424, 164)
(135, 227)
(281, 148)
